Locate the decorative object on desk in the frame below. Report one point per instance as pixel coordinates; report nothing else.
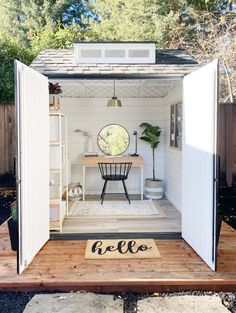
(117, 208)
(54, 99)
(136, 143)
(113, 139)
(114, 102)
(153, 186)
(89, 146)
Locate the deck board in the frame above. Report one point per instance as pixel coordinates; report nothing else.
(60, 265)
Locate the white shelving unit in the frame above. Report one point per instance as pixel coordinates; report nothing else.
(58, 170)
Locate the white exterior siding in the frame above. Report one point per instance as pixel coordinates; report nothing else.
(172, 157)
(92, 115)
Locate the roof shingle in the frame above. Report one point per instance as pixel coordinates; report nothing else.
(61, 63)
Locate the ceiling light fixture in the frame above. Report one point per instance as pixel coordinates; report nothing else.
(114, 102)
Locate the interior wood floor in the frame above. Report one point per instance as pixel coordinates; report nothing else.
(169, 220)
(60, 265)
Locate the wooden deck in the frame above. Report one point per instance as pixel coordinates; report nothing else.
(60, 265)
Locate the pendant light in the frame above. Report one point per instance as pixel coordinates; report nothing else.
(114, 102)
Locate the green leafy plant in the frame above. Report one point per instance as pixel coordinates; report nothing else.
(54, 88)
(14, 211)
(151, 135)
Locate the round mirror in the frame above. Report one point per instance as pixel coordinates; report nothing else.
(113, 139)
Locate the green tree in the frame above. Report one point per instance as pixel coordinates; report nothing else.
(10, 49)
(60, 38)
(22, 18)
(138, 20)
(29, 26)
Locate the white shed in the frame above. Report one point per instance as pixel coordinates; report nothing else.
(149, 83)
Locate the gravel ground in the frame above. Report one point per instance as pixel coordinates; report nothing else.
(15, 302)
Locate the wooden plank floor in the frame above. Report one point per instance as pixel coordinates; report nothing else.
(169, 220)
(60, 265)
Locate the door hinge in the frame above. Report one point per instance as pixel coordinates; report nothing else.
(18, 181)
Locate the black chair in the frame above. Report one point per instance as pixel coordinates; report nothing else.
(114, 172)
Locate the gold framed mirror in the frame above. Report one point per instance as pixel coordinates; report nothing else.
(113, 139)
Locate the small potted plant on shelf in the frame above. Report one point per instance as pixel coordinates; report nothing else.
(54, 100)
(153, 186)
(13, 227)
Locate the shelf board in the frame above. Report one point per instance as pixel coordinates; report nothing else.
(57, 143)
(55, 199)
(57, 113)
(55, 170)
(54, 143)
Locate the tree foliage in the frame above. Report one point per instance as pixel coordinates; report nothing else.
(29, 26)
(10, 49)
(25, 17)
(138, 20)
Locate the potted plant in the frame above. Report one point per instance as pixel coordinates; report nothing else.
(153, 186)
(54, 100)
(13, 227)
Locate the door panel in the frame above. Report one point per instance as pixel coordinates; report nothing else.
(199, 161)
(32, 115)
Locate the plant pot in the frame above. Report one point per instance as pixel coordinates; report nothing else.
(13, 232)
(153, 189)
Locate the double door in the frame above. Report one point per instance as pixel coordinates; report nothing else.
(199, 162)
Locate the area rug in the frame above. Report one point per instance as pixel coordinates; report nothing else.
(121, 249)
(115, 208)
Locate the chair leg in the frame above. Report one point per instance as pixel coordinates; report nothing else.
(103, 188)
(104, 191)
(126, 192)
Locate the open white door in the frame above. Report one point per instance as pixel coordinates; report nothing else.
(200, 97)
(32, 115)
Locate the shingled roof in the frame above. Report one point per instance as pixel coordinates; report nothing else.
(60, 63)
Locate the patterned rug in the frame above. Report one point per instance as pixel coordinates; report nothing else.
(116, 208)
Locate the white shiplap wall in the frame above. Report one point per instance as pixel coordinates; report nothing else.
(172, 157)
(92, 115)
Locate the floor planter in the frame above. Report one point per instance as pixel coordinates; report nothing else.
(153, 189)
(13, 232)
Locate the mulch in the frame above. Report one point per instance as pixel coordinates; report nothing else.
(6, 199)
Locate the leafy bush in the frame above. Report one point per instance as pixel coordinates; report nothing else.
(10, 49)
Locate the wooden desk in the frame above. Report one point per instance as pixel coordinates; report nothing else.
(93, 162)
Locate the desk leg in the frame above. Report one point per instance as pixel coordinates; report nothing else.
(84, 172)
(142, 182)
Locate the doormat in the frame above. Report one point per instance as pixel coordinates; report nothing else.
(121, 249)
(116, 208)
